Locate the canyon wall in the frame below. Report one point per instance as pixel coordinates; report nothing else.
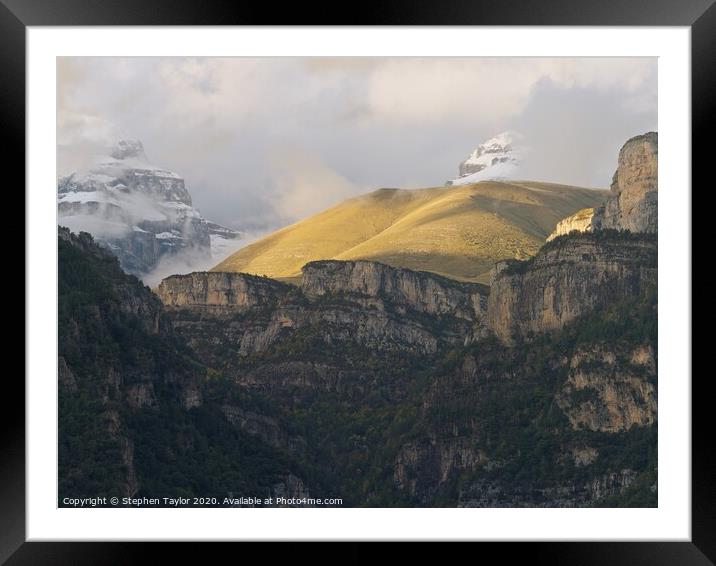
(420, 291)
(632, 204)
(356, 301)
(224, 291)
(568, 278)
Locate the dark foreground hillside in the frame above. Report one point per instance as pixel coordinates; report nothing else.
(136, 417)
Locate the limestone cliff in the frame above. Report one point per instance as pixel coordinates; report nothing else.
(632, 204)
(580, 221)
(570, 277)
(357, 301)
(232, 291)
(375, 384)
(610, 390)
(419, 291)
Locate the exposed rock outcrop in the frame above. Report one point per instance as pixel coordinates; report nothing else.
(580, 221)
(610, 391)
(581, 273)
(632, 204)
(583, 455)
(568, 278)
(227, 291)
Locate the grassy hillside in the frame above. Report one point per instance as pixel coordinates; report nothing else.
(455, 231)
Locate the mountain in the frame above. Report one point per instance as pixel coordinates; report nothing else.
(381, 385)
(141, 212)
(458, 232)
(497, 158)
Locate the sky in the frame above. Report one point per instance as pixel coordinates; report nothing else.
(263, 142)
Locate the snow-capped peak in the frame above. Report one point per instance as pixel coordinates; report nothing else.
(142, 212)
(497, 158)
(124, 165)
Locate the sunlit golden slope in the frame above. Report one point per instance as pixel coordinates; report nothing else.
(456, 231)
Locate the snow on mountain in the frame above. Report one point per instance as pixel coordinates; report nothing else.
(142, 212)
(497, 158)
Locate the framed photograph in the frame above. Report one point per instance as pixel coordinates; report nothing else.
(422, 276)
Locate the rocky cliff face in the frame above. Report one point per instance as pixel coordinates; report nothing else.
(358, 301)
(610, 390)
(604, 387)
(229, 292)
(298, 348)
(419, 291)
(139, 211)
(632, 204)
(569, 277)
(580, 221)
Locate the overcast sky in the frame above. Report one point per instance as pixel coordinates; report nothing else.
(262, 142)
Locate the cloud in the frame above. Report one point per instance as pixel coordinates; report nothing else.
(575, 133)
(493, 89)
(305, 185)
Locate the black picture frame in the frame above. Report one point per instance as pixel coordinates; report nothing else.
(17, 15)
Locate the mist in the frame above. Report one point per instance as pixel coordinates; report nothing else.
(186, 261)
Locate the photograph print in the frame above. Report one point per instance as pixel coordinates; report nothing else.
(357, 282)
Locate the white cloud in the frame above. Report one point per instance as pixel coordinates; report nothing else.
(495, 89)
